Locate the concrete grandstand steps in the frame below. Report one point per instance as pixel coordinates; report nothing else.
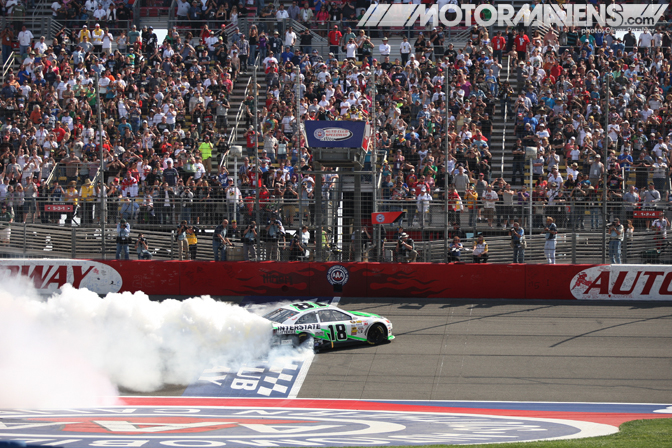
(236, 99)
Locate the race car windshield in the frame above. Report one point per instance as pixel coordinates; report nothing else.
(280, 315)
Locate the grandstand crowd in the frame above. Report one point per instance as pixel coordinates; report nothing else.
(164, 108)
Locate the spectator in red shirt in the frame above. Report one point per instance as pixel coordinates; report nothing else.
(59, 131)
(521, 42)
(498, 45)
(334, 40)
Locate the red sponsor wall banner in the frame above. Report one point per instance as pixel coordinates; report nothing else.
(152, 277)
(305, 280)
(551, 281)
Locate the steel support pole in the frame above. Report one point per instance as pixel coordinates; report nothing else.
(318, 213)
(101, 172)
(257, 168)
(357, 228)
(605, 150)
(377, 229)
(445, 174)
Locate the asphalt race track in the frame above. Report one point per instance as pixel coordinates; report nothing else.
(458, 372)
(502, 350)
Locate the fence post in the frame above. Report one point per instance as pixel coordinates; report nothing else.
(172, 244)
(73, 238)
(573, 247)
(25, 241)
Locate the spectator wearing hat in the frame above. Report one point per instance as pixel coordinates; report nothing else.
(405, 249)
(334, 38)
(385, 48)
(97, 35)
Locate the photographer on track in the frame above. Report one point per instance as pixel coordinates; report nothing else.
(406, 249)
(616, 232)
(250, 241)
(221, 241)
(142, 248)
(275, 239)
(182, 243)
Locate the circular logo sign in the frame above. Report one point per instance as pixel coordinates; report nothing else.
(380, 218)
(245, 426)
(319, 134)
(337, 275)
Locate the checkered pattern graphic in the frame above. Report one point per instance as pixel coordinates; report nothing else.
(272, 379)
(277, 369)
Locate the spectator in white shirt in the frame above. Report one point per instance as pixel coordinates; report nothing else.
(40, 46)
(25, 40)
(385, 48)
(290, 38)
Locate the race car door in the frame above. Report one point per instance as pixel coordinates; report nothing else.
(335, 324)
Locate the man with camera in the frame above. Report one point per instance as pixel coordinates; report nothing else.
(220, 240)
(249, 242)
(142, 248)
(182, 243)
(615, 230)
(275, 235)
(405, 249)
(123, 239)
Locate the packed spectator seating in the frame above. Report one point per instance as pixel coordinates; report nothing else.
(164, 110)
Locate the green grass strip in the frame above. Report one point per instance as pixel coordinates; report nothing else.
(650, 433)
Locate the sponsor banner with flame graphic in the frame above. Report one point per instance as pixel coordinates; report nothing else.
(299, 279)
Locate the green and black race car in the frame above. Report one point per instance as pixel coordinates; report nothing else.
(327, 325)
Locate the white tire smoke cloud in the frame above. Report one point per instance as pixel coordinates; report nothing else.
(75, 347)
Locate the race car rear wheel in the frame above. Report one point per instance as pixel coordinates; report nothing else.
(377, 334)
(299, 339)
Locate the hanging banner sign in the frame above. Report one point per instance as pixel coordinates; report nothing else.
(385, 217)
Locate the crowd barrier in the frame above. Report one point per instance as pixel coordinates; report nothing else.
(296, 280)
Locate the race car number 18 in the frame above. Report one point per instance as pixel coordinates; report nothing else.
(340, 333)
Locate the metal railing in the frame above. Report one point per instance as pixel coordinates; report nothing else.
(8, 65)
(49, 241)
(233, 135)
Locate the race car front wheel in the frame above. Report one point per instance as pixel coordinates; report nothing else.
(377, 334)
